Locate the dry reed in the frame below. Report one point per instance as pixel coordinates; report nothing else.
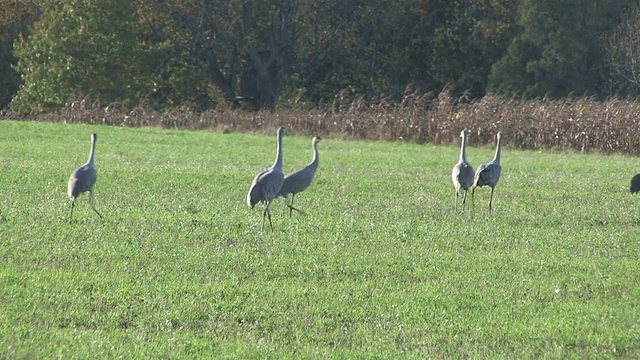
(581, 124)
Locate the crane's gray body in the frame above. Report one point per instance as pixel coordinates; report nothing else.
(83, 179)
(299, 180)
(489, 174)
(635, 184)
(462, 174)
(266, 185)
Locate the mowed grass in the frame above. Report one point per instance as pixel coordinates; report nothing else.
(380, 267)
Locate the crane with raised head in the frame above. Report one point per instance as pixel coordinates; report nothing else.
(83, 179)
(488, 174)
(266, 185)
(462, 173)
(300, 180)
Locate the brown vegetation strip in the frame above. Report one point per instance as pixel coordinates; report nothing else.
(581, 124)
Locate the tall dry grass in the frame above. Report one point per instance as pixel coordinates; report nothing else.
(582, 124)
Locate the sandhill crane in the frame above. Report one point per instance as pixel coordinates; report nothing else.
(267, 184)
(489, 173)
(83, 179)
(462, 173)
(635, 184)
(299, 180)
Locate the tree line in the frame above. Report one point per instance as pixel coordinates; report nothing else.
(263, 54)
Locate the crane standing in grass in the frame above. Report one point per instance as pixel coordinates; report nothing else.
(83, 179)
(301, 179)
(462, 173)
(489, 173)
(267, 184)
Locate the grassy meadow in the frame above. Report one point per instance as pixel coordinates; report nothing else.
(380, 267)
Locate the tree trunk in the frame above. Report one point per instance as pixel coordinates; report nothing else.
(263, 80)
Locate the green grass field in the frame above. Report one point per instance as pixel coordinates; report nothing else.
(380, 267)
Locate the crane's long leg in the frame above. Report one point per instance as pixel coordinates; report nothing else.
(92, 203)
(267, 213)
(269, 216)
(298, 210)
(73, 204)
(291, 208)
(464, 199)
(293, 196)
(490, 199)
(456, 202)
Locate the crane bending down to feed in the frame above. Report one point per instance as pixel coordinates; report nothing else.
(462, 173)
(489, 173)
(267, 184)
(635, 184)
(83, 179)
(301, 179)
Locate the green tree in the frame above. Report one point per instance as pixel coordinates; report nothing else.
(15, 19)
(560, 50)
(623, 54)
(94, 48)
(352, 45)
(241, 48)
(379, 47)
(460, 40)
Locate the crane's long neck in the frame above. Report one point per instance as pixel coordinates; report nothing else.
(496, 158)
(316, 157)
(93, 151)
(463, 149)
(278, 163)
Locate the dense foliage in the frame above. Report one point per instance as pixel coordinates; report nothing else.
(269, 53)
